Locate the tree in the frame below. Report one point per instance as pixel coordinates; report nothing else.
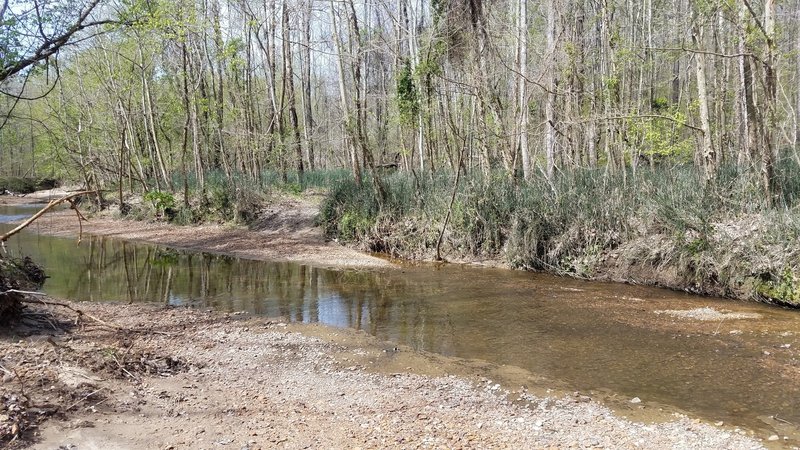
(706, 154)
(35, 32)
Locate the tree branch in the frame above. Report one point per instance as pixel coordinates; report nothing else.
(3, 10)
(51, 46)
(758, 22)
(704, 52)
(634, 116)
(51, 205)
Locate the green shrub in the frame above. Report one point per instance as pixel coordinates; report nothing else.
(163, 202)
(783, 288)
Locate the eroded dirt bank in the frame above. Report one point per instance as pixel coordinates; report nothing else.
(150, 377)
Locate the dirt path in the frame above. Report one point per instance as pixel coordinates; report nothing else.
(187, 379)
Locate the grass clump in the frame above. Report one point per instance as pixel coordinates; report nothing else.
(349, 211)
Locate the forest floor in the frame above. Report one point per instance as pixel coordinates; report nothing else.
(141, 376)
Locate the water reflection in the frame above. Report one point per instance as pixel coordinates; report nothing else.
(103, 269)
(587, 335)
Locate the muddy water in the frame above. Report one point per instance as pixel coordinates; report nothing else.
(611, 341)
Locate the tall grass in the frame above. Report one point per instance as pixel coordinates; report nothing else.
(664, 225)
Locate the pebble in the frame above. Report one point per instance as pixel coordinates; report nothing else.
(359, 402)
(774, 437)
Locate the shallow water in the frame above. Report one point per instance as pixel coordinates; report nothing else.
(611, 340)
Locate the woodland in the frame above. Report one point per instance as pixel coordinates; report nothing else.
(651, 141)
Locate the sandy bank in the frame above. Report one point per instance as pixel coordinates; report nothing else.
(153, 378)
(285, 231)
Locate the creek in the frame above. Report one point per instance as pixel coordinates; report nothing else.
(611, 341)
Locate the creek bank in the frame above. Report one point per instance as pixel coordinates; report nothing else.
(284, 231)
(145, 376)
(647, 260)
(16, 274)
(680, 239)
(741, 259)
(68, 226)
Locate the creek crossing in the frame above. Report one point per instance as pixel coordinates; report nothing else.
(715, 359)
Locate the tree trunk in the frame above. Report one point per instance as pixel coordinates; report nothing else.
(769, 149)
(707, 156)
(346, 119)
(289, 75)
(550, 126)
(522, 90)
(308, 119)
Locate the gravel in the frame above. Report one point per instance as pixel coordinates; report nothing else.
(255, 384)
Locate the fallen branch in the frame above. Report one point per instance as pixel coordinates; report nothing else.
(53, 203)
(782, 420)
(83, 399)
(80, 313)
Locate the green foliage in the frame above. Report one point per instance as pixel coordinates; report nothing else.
(783, 288)
(407, 100)
(172, 20)
(663, 138)
(353, 224)
(659, 104)
(349, 211)
(161, 201)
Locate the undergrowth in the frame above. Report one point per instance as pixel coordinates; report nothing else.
(236, 198)
(661, 226)
(25, 185)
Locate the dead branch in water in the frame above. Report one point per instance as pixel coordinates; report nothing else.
(53, 203)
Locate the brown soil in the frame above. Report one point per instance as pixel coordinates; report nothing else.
(145, 377)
